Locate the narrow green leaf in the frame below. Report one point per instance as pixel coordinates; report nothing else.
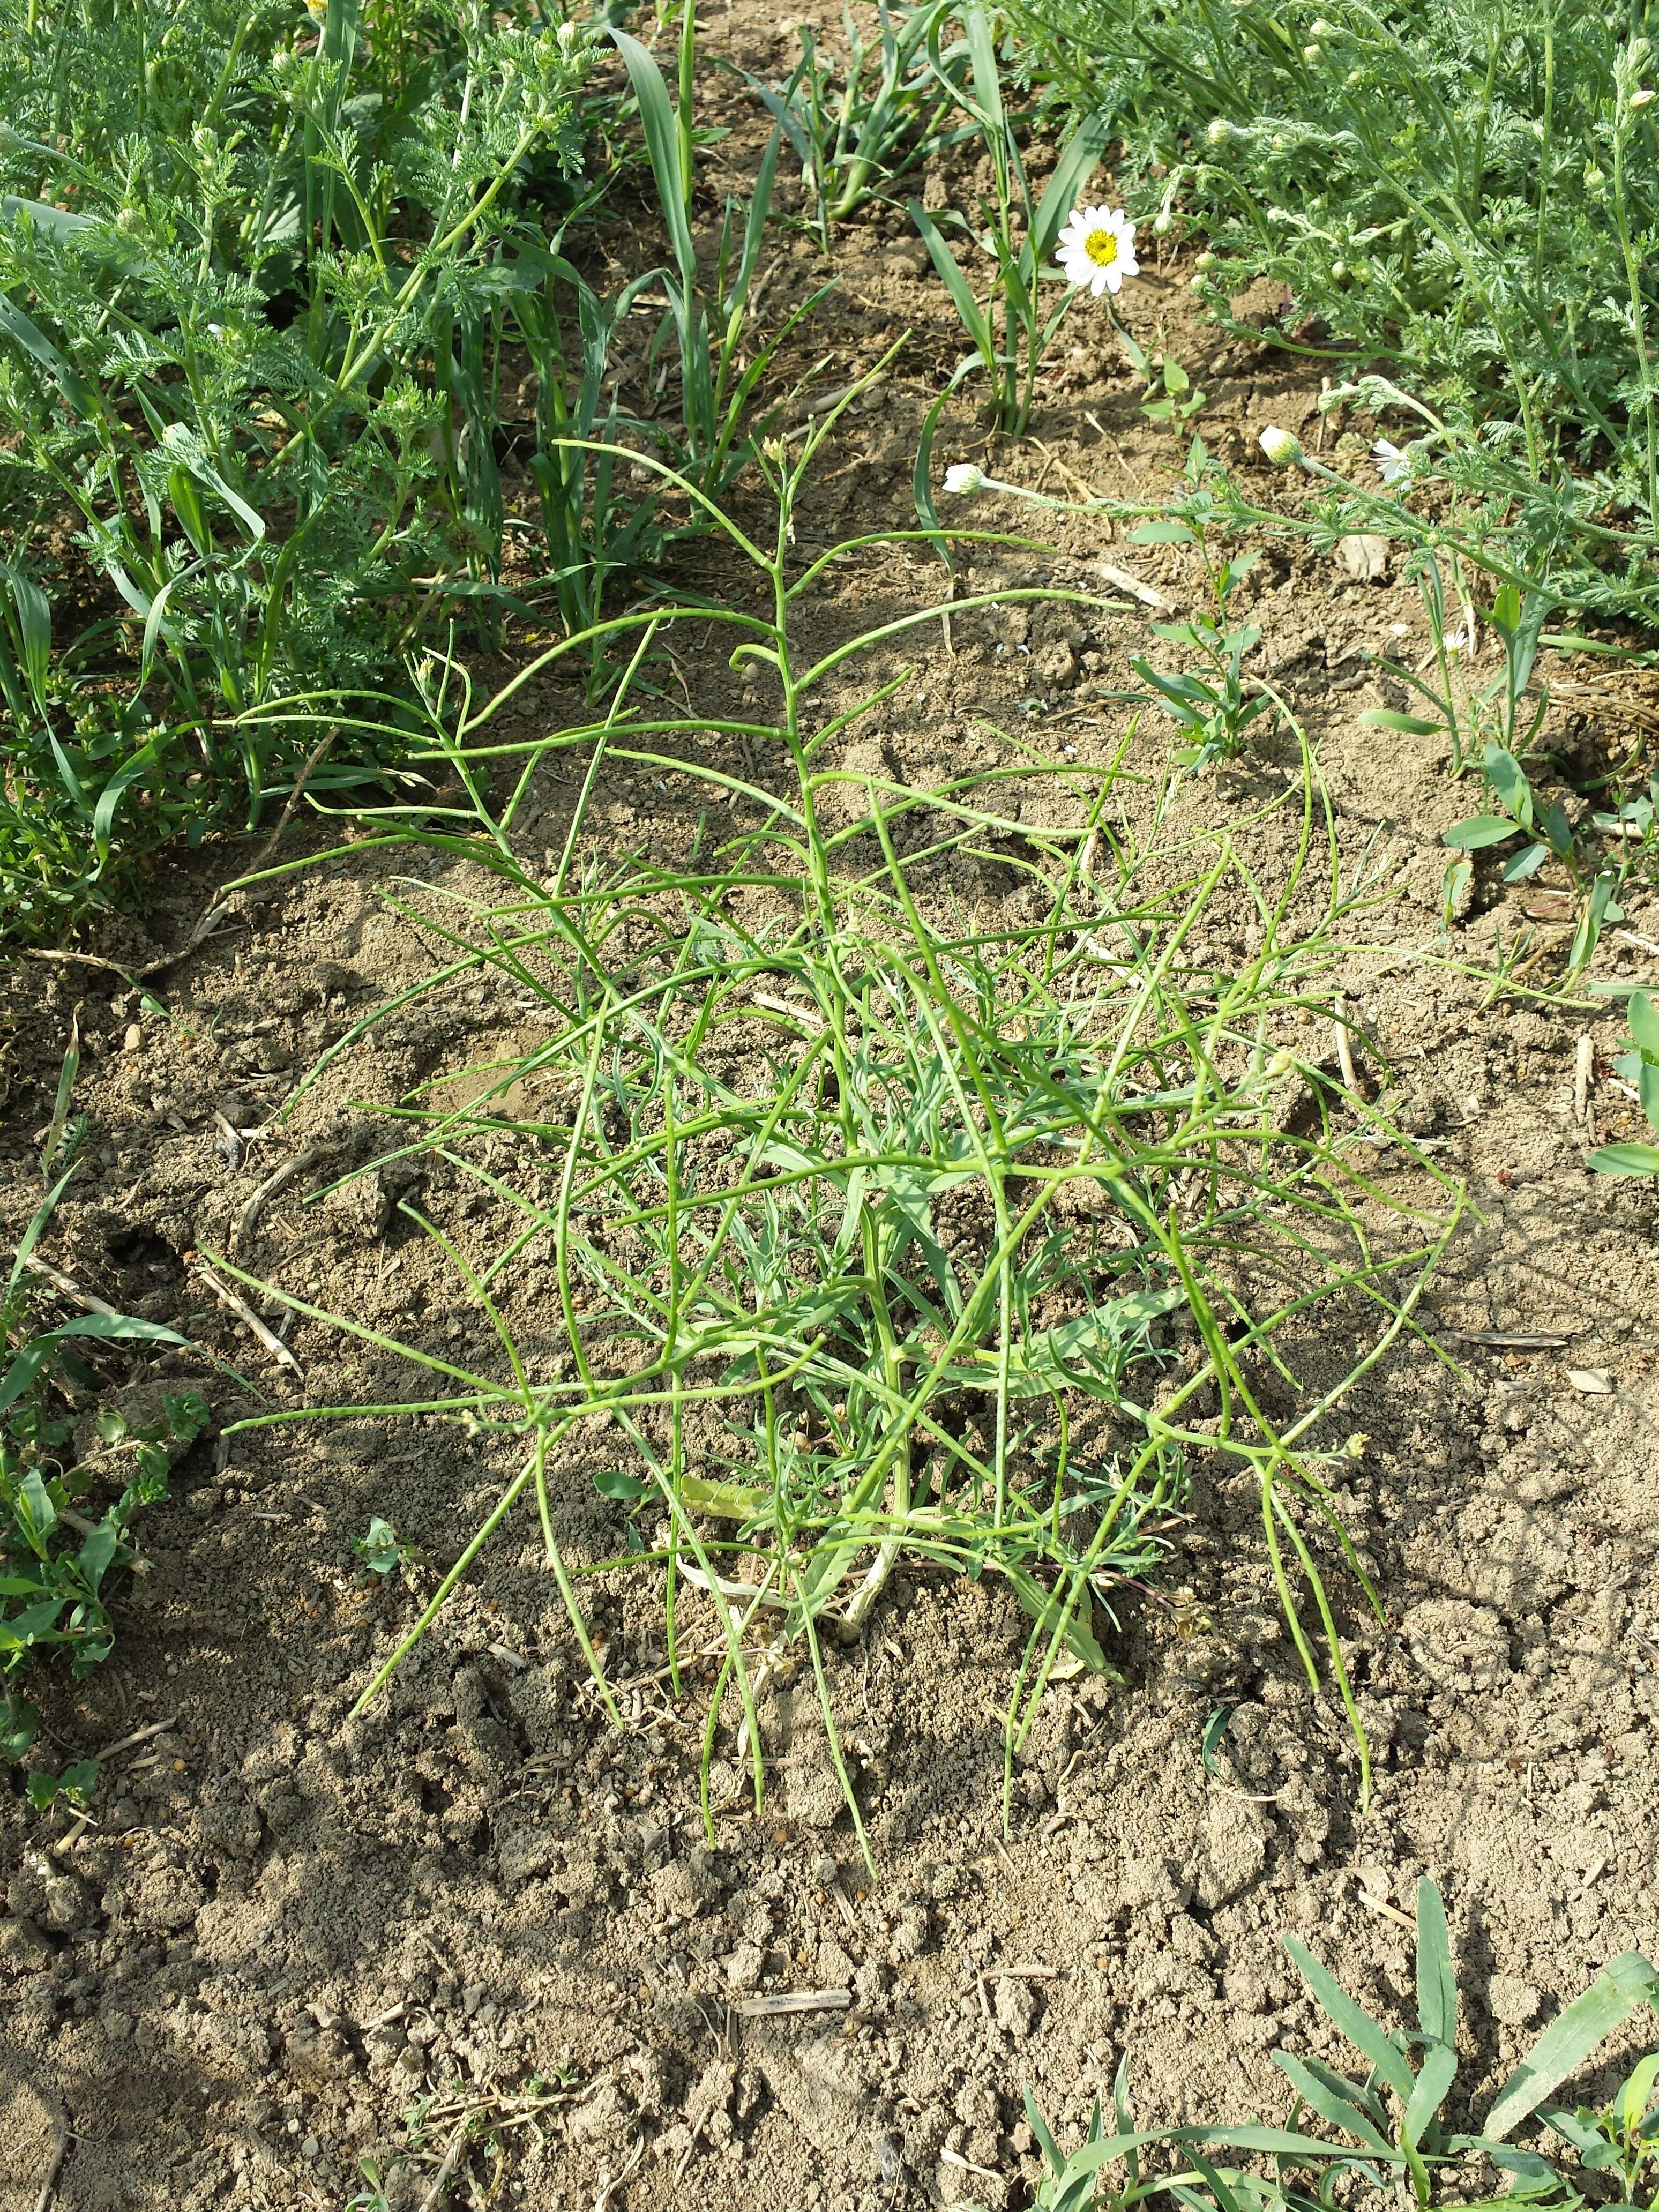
(1331, 2104)
(1385, 718)
(1621, 1986)
(1508, 780)
(1353, 2021)
(1480, 832)
(1625, 1160)
(973, 319)
(1435, 2077)
(1436, 1978)
(1644, 1024)
(662, 148)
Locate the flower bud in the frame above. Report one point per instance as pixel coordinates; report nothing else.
(1595, 178)
(1355, 78)
(1338, 270)
(1282, 447)
(1205, 260)
(1319, 29)
(1220, 131)
(1641, 99)
(963, 477)
(1312, 55)
(1162, 223)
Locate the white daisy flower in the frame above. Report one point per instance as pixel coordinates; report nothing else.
(962, 477)
(1392, 464)
(1096, 250)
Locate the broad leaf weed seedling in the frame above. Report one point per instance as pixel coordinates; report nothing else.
(1389, 2133)
(1547, 834)
(1639, 1068)
(56, 1565)
(858, 1216)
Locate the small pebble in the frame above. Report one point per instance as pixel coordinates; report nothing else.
(133, 1041)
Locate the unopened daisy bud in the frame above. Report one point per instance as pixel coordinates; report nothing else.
(1282, 447)
(963, 477)
(1641, 99)
(1338, 270)
(1312, 55)
(1220, 131)
(1354, 79)
(1162, 223)
(1319, 29)
(1205, 260)
(1595, 178)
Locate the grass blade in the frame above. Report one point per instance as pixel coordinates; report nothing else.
(1567, 2042)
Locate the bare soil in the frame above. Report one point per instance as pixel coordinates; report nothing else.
(289, 1940)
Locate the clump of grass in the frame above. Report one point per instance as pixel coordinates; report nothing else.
(876, 1224)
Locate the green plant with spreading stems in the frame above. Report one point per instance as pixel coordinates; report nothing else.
(1390, 2134)
(1214, 705)
(807, 1184)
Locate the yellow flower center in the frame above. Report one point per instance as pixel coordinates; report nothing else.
(1101, 246)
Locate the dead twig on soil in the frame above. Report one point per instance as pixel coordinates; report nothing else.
(60, 2131)
(245, 1313)
(131, 1742)
(446, 2172)
(794, 2001)
(68, 1285)
(608, 2186)
(247, 1219)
